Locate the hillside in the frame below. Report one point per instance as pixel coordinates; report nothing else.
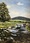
(21, 18)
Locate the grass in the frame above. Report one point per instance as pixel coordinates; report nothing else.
(11, 23)
(7, 24)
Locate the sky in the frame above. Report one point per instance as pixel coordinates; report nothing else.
(18, 7)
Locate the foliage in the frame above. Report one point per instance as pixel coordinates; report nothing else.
(28, 27)
(4, 34)
(4, 14)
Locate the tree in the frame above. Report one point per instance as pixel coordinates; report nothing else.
(4, 13)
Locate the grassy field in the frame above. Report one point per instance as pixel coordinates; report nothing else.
(7, 24)
(12, 23)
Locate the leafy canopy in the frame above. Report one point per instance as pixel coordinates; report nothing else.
(4, 13)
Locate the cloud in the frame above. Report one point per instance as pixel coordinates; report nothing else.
(28, 14)
(15, 13)
(8, 6)
(19, 3)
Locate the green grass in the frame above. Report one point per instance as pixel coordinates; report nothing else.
(7, 24)
(11, 23)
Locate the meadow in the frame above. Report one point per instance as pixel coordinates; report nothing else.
(10, 23)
